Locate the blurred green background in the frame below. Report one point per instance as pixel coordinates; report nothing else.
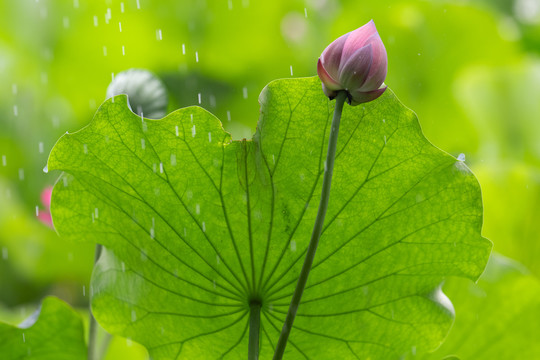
(469, 69)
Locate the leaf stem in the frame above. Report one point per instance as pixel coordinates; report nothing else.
(317, 228)
(254, 327)
(92, 332)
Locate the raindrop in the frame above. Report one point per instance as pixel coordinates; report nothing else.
(384, 121)
(154, 168)
(96, 212)
(212, 101)
(46, 169)
(120, 26)
(228, 115)
(144, 125)
(123, 50)
(143, 144)
(461, 157)
(197, 209)
(133, 315)
(191, 116)
(123, 264)
(65, 181)
(122, 7)
(14, 89)
(245, 3)
(65, 21)
(293, 245)
(305, 12)
(83, 290)
(85, 148)
(161, 168)
(4, 160)
(218, 260)
(325, 166)
(173, 159)
(152, 233)
(291, 71)
(196, 56)
(129, 343)
(4, 253)
(37, 210)
(138, 4)
(159, 35)
(23, 338)
(273, 159)
(203, 226)
(193, 131)
(176, 130)
(230, 4)
(183, 49)
(104, 50)
(413, 350)
(107, 16)
(199, 97)
(21, 174)
(185, 232)
(15, 110)
(384, 139)
(214, 284)
(76, 4)
(95, 20)
(209, 137)
(245, 92)
(112, 78)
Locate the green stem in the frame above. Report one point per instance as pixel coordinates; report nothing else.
(254, 327)
(317, 228)
(92, 332)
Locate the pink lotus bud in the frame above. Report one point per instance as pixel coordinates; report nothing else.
(45, 215)
(355, 62)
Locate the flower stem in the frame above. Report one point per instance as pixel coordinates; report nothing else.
(317, 228)
(92, 332)
(254, 327)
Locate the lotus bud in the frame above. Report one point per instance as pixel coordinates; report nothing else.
(357, 63)
(147, 96)
(45, 215)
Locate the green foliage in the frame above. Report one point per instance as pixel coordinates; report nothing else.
(198, 226)
(54, 332)
(496, 317)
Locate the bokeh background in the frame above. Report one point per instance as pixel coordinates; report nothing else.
(469, 69)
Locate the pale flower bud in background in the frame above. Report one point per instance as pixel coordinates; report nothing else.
(357, 63)
(147, 95)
